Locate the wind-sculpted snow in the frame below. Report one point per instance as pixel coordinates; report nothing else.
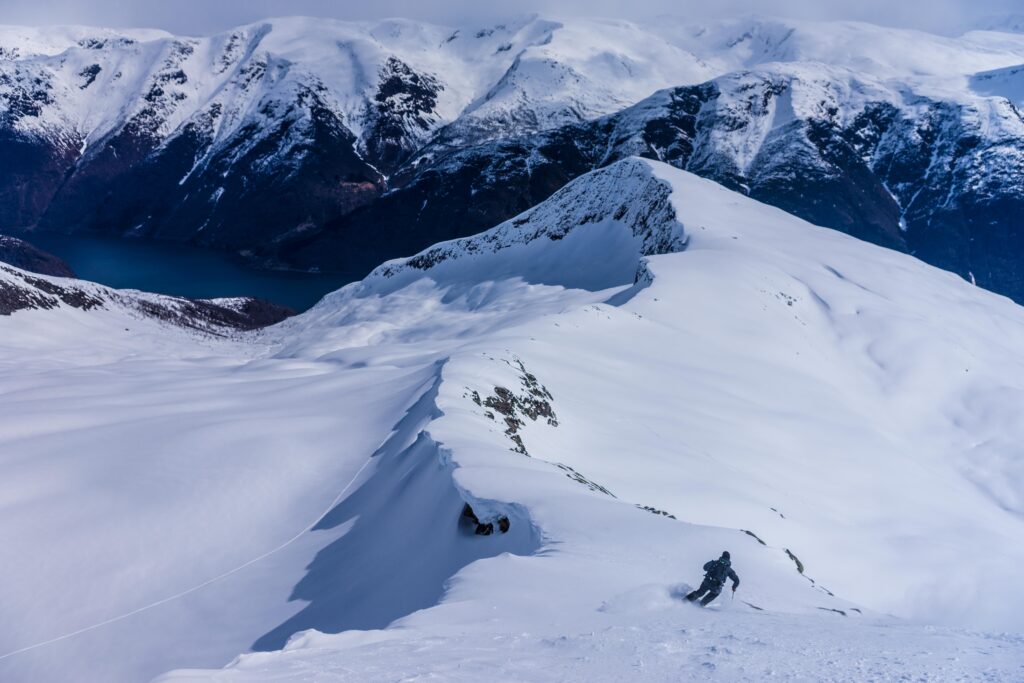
(813, 399)
(410, 500)
(842, 418)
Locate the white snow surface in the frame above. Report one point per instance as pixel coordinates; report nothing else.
(704, 355)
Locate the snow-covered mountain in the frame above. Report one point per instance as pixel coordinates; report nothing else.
(268, 130)
(325, 144)
(640, 372)
(914, 150)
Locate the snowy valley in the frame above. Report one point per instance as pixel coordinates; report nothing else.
(641, 371)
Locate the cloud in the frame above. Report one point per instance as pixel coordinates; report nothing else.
(207, 16)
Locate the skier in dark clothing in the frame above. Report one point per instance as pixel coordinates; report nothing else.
(715, 574)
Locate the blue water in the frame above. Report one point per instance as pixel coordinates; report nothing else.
(182, 270)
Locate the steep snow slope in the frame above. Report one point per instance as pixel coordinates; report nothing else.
(631, 377)
(849, 406)
(156, 484)
(801, 360)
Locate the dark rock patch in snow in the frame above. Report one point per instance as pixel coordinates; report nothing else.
(405, 111)
(754, 536)
(580, 479)
(470, 523)
(656, 511)
(533, 402)
(237, 314)
(796, 561)
(21, 291)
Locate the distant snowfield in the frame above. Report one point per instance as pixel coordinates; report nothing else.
(716, 361)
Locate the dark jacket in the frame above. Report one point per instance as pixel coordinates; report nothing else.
(717, 571)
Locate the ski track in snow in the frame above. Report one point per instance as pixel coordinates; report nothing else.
(197, 587)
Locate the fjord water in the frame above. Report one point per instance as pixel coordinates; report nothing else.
(183, 270)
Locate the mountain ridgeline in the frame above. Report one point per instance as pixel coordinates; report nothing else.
(334, 146)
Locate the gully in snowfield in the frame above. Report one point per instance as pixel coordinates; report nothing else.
(715, 573)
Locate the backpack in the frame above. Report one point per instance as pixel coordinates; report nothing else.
(717, 570)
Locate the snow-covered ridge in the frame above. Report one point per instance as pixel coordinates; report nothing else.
(624, 198)
(762, 382)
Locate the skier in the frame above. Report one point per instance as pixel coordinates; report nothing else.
(715, 573)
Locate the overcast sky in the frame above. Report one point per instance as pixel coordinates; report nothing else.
(208, 16)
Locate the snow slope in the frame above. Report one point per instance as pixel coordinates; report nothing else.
(633, 373)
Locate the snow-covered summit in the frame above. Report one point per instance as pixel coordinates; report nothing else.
(564, 240)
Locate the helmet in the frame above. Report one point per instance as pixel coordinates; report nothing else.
(725, 555)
